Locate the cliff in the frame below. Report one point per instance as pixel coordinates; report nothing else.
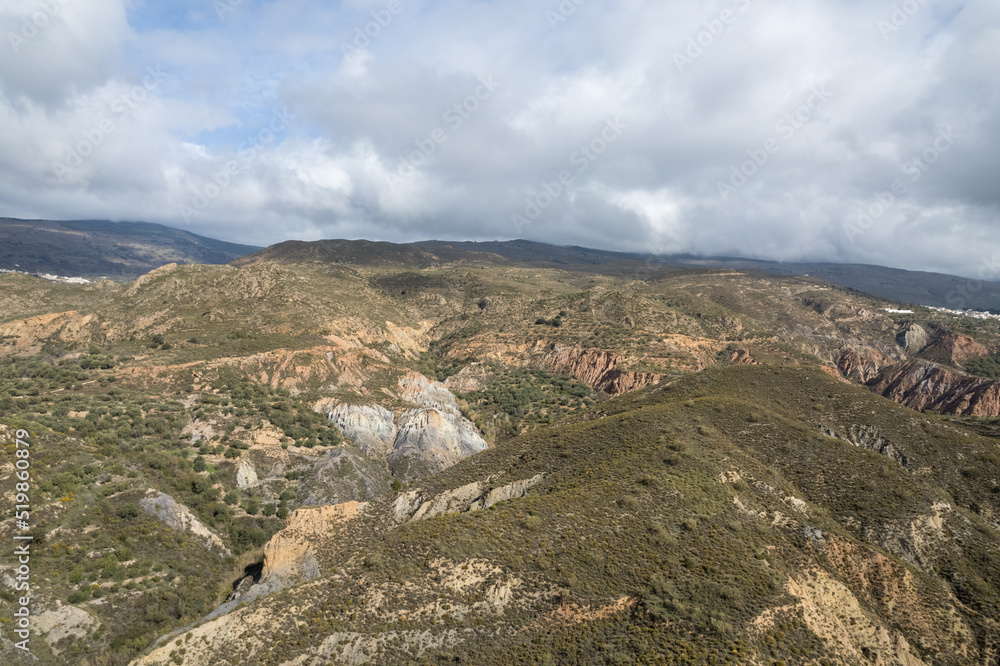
(954, 350)
(601, 370)
(923, 385)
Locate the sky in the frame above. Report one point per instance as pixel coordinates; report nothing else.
(820, 130)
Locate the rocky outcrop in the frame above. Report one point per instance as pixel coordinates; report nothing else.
(601, 370)
(423, 392)
(289, 554)
(913, 338)
(176, 516)
(832, 611)
(65, 623)
(473, 377)
(861, 363)
(458, 500)
(416, 442)
(371, 428)
(246, 475)
(28, 335)
(430, 440)
(471, 497)
(869, 438)
(342, 476)
(954, 350)
(742, 357)
(923, 385)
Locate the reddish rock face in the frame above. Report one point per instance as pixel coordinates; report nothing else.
(861, 364)
(598, 369)
(923, 385)
(954, 349)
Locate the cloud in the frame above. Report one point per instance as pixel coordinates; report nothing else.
(747, 128)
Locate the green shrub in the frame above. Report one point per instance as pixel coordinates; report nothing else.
(129, 511)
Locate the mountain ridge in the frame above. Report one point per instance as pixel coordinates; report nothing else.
(905, 286)
(127, 250)
(100, 248)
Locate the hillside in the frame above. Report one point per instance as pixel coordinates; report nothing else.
(95, 249)
(900, 286)
(364, 453)
(687, 525)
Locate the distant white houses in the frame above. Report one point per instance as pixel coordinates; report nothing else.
(974, 314)
(64, 280)
(50, 277)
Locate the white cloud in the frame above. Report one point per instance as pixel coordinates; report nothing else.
(334, 170)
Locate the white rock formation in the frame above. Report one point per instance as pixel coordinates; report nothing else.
(246, 475)
(417, 442)
(371, 428)
(176, 516)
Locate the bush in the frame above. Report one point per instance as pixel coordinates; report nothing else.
(78, 597)
(129, 511)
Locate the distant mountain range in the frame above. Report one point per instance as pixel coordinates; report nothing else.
(125, 250)
(98, 248)
(906, 287)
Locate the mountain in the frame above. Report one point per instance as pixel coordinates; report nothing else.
(900, 286)
(94, 248)
(126, 250)
(353, 452)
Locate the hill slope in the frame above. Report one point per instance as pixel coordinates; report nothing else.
(708, 522)
(117, 250)
(676, 467)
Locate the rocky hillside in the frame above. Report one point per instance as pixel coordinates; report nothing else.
(954, 350)
(687, 523)
(387, 454)
(926, 386)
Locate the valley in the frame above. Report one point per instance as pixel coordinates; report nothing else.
(349, 452)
